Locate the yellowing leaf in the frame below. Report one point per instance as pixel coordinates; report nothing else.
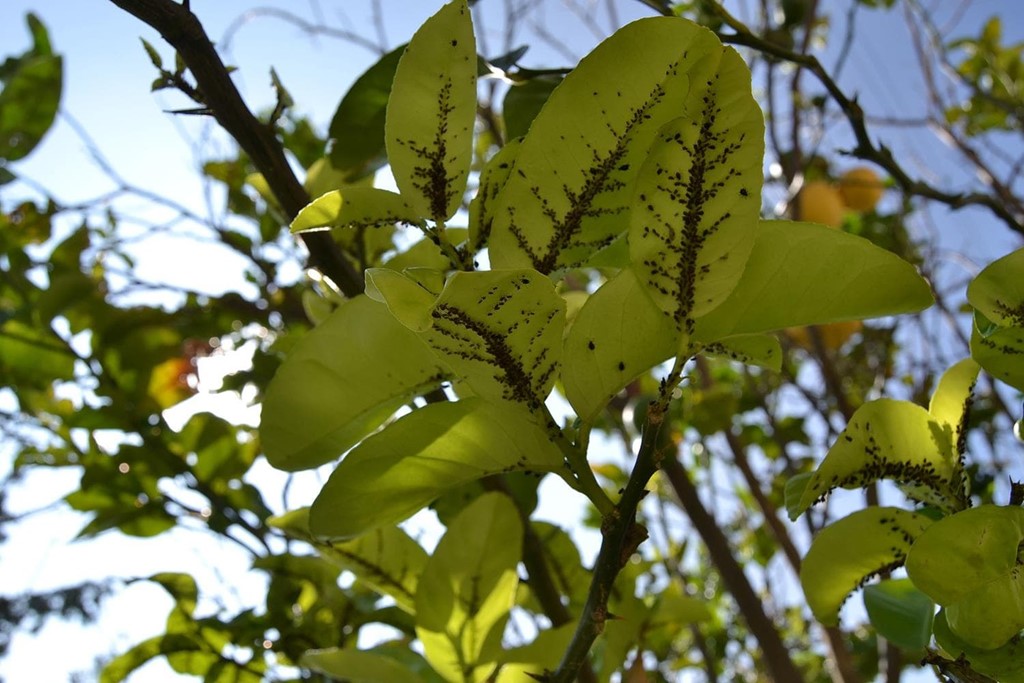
(1005, 663)
(408, 300)
(492, 180)
(1001, 353)
(501, 332)
(386, 559)
(951, 400)
(356, 666)
(354, 207)
(998, 291)
(763, 350)
(618, 334)
(969, 564)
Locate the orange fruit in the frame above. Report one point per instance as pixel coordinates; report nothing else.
(833, 335)
(860, 189)
(819, 202)
(168, 382)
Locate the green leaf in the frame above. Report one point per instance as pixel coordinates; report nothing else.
(617, 335)
(998, 291)
(889, 439)
(431, 111)
(501, 332)
(386, 559)
(794, 493)
(354, 207)
(562, 556)
(845, 554)
(119, 668)
(144, 522)
(762, 350)
(182, 588)
(543, 654)
(284, 98)
(572, 184)
(1001, 353)
(968, 563)
(340, 382)
(492, 180)
(28, 355)
(900, 613)
(408, 300)
(468, 588)
(40, 37)
(807, 274)
(1004, 663)
(399, 470)
(698, 196)
(357, 129)
(312, 568)
(357, 666)
(674, 609)
(30, 96)
(951, 401)
(154, 56)
(523, 102)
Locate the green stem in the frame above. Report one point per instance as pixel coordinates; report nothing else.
(584, 480)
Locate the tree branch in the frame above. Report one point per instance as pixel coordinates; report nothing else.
(776, 655)
(622, 534)
(865, 149)
(182, 29)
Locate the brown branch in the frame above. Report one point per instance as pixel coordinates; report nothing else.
(621, 537)
(776, 654)
(182, 29)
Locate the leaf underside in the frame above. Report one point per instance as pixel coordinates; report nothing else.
(326, 396)
(807, 274)
(399, 470)
(572, 183)
(969, 563)
(468, 587)
(501, 332)
(850, 551)
(430, 114)
(698, 195)
(890, 439)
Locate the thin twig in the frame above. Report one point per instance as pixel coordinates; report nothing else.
(182, 30)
